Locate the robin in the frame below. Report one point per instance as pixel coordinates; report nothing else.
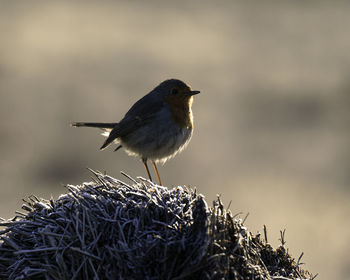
(156, 127)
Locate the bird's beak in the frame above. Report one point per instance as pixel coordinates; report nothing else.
(193, 92)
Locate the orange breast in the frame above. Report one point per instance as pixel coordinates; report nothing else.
(180, 108)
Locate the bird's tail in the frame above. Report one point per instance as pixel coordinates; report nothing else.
(109, 129)
(98, 125)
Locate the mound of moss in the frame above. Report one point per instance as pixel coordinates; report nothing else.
(108, 229)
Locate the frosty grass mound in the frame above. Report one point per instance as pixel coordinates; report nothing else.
(108, 229)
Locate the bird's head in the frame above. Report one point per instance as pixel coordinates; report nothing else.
(176, 91)
(179, 96)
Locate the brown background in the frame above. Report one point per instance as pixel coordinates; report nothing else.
(271, 124)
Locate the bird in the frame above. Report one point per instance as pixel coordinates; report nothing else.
(156, 127)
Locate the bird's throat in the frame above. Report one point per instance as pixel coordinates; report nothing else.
(181, 110)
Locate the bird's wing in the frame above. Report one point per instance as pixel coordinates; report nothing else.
(141, 113)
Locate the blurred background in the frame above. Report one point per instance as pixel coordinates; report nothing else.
(272, 126)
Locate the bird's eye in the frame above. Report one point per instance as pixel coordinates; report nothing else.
(174, 91)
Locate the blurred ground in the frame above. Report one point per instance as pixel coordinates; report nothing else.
(271, 125)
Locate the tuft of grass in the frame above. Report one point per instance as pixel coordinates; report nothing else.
(108, 229)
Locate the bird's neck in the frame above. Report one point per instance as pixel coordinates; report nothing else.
(181, 111)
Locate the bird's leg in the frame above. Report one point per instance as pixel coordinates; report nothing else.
(156, 169)
(144, 160)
